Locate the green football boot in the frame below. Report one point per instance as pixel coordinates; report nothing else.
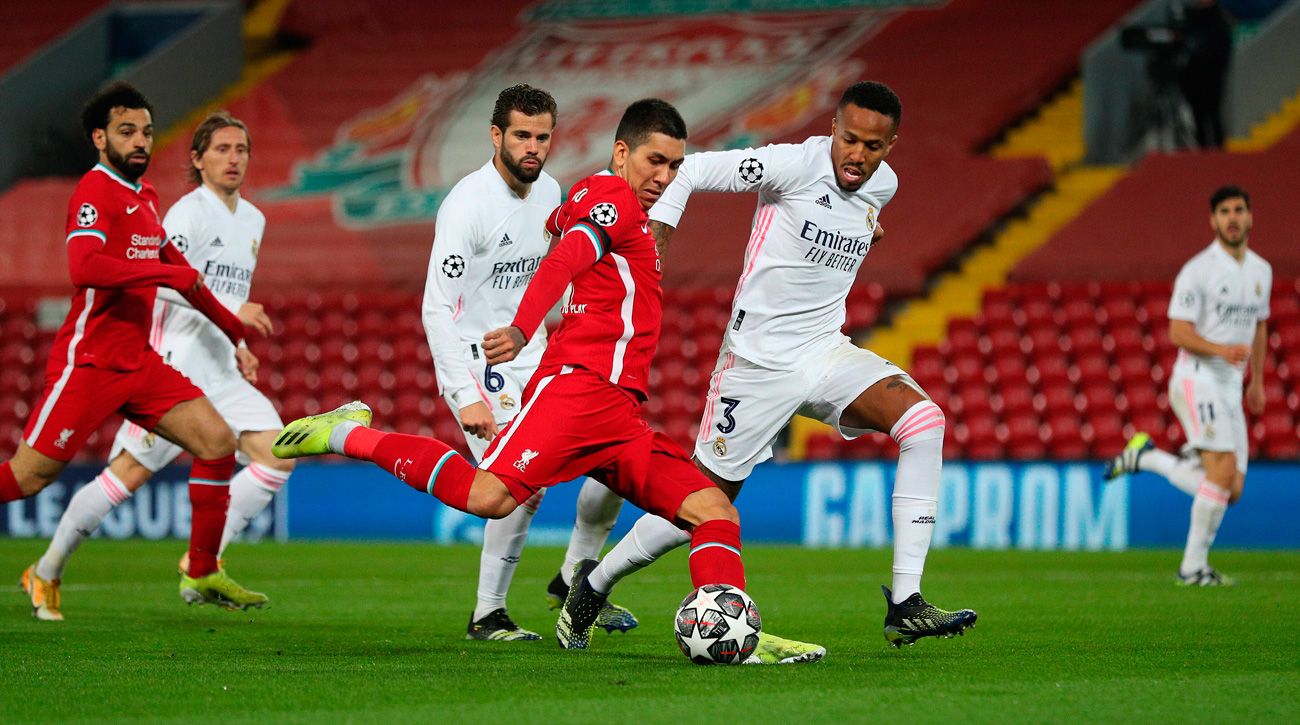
(310, 436)
(1127, 460)
(219, 589)
(774, 650)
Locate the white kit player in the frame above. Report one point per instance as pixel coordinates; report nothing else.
(219, 233)
(490, 236)
(819, 204)
(1217, 317)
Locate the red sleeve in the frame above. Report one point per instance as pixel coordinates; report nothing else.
(557, 221)
(89, 268)
(202, 298)
(572, 256)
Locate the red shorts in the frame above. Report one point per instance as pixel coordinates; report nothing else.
(575, 423)
(78, 399)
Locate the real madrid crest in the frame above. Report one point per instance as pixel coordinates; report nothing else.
(507, 402)
(257, 245)
(149, 440)
(871, 219)
(720, 447)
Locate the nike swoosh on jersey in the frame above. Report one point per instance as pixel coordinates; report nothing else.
(131, 209)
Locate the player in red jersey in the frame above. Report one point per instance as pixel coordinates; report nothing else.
(101, 362)
(581, 410)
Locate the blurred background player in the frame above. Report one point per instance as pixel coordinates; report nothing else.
(783, 352)
(101, 362)
(490, 238)
(219, 232)
(1217, 319)
(582, 408)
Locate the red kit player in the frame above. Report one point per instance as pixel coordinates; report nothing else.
(101, 362)
(581, 410)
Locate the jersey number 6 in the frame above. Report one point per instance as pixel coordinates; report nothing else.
(493, 380)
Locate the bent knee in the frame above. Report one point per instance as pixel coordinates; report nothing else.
(491, 502)
(709, 504)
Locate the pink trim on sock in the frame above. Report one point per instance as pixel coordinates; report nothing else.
(926, 418)
(361, 442)
(268, 477)
(115, 491)
(1213, 492)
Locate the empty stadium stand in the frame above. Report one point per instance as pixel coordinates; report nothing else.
(28, 30)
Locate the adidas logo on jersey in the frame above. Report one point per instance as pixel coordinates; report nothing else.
(824, 201)
(505, 241)
(217, 242)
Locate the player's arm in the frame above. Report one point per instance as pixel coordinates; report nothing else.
(450, 262)
(202, 299)
(1255, 396)
(88, 266)
(581, 246)
(1184, 308)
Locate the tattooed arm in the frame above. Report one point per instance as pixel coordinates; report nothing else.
(662, 233)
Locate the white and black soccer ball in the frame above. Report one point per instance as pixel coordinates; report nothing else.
(604, 214)
(718, 624)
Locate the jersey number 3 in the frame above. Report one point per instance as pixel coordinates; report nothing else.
(729, 423)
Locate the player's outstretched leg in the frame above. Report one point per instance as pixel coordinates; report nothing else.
(598, 509)
(310, 436)
(914, 618)
(1141, 454)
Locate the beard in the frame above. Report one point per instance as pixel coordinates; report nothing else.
(1232, 241)
(128, 168)
(516, 170)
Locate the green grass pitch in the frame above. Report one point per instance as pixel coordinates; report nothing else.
(375, 632)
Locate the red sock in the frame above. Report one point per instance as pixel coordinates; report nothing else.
(424, 464)
(209, 499)
(9, 490)
(715, 554)
(360, 443)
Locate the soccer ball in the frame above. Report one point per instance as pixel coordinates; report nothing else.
(718, 624)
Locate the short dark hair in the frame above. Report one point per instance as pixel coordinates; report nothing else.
(873, 96)
(647, 116)
(118, 94)
(525, 99)
(202, 138)
(1224, 193)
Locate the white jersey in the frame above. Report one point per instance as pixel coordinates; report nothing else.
(487, 245)
(807, 241)
(223, 245)
(1224, 299)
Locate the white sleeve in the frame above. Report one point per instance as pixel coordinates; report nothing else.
(1268, 293)
(182, 227)
(769, 168)
(454, 239)
(1185, 302)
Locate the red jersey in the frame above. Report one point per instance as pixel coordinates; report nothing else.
(611, 320)
(109, 328)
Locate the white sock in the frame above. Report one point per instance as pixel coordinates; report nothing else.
(85, 511)
(503, 542)
(251, 490)
(650, 538)
(1207, 513)
(340, 434)
(1185, 474)
(919, 433)
(598, 509)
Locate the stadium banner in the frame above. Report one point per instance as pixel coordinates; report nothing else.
(1046, 506)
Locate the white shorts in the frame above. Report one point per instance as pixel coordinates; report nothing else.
(1211, 415)
(748, 404)
(501, 390)
(242, 406)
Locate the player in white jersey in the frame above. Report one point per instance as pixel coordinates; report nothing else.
(490, 236)
(1217, 318)
(220, 233)
(819, 205)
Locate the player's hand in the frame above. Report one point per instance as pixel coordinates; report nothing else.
(1255, 398)
(1236, 354)
(477, 419)
(254, 315)
(248, 364)
(878, 234)
(198, 281)
(503, 344)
